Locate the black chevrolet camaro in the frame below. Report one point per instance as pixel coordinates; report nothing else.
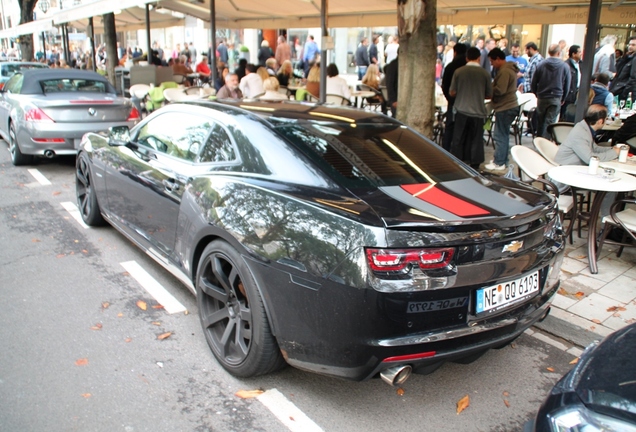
(336, 240)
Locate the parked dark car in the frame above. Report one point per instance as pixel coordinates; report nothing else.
(45, 112)
(599, 393)
(336, 240)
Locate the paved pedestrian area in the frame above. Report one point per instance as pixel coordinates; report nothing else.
(592, 305)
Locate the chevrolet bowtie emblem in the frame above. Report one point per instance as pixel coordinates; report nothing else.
(513, 247)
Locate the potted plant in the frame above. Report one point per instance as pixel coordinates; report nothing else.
(244, 52)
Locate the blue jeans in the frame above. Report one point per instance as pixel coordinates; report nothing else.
(361, 71)
(501, 137)
(547, 114)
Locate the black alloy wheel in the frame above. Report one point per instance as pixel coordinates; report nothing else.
(85, 192)
(17, 157)
(232, 314)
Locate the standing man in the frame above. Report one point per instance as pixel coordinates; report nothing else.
(459, 60)
(471, 84)
(550, 82)
(309, 53)
(362, 57)
(534, 58)
(373, 52)
(222, 50)
(522, 63)
(489, 45)
(625, 80)
(283, 50)
(574, 63)
(504, 103)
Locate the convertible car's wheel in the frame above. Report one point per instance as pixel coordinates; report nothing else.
(232, 314)
(17, 157)
(86, 198)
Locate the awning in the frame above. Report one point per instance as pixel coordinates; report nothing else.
(28, 28)
(95, 9)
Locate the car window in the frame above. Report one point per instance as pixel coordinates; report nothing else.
(176, 134)
(218, 147)
(14, 85)
(73, 85)
(11, 68)
(374, 154)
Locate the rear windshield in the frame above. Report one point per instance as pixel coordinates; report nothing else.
(363, 155)
(10, 69)
(73, 85)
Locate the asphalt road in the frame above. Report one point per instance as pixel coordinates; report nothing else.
(79, 354)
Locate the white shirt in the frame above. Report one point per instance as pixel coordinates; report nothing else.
(251, 85)
(338, 86)
(391, 52)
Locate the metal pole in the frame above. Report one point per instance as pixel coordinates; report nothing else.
(213, 39)
(43, 44)
(148, 33)
(67, 56)
(323, 51)
(90, 23)
(588, 58)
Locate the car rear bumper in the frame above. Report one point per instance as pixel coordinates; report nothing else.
(351, 333)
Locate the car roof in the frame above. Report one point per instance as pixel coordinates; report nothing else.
(32, 77)
(303, 111)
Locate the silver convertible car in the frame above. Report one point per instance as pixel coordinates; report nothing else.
(45, 112)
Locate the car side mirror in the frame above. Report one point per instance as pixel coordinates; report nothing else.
(118, 136)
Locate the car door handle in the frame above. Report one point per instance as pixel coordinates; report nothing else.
(171, 185)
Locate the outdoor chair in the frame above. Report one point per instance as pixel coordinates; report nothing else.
(179, 78)
(559, 131)
(311, 98)
(533, 168)
(547, 149)
(335, 99)
(374, 102)
(195, 90)
(625, 219)
(173, 94)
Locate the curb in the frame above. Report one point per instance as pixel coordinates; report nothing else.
(569, 332)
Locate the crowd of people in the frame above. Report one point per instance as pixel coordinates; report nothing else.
(491, 70)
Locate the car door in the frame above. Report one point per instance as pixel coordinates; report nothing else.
(146, 179)
(6, 101)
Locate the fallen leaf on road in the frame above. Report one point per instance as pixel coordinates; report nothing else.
(581, 256)
(120, 314)
(463, 403)
(157, 323)
(551, 369)
(127, 340)
(142, 305)
(75, 241)
(616, 309)
(592, 327)
(400, 391)
(163, 336)
(247, 394)
(86, 395)
(56, 193)
(596, 321)
(36, 240)
(630, 321)
(60, 256)
(97, 326)
(506, 394)
(84, 251)
(186, 312)
(575, 361)
(580, 294)
(157, 307)
(105, 305)
(562, 291)
(506, 403)
(513, 345)
(81, 362)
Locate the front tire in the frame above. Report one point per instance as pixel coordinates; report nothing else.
(232, 314)
(85, 192)
(17, 157)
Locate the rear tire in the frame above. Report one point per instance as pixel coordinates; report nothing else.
(85, 192)
(232, 314)
(17, 157)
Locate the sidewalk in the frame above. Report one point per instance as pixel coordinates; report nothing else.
(588, 307)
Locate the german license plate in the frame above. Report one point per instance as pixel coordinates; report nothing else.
(435, 305)
(497, 297)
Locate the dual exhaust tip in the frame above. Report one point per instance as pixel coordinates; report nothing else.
(396, 375)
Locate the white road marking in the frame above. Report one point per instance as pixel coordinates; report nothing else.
(287, 412)
(74, 211)
(39, 177)
(154, 288)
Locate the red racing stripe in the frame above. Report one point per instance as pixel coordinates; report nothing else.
(432, 195)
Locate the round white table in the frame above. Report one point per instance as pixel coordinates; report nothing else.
(577, 176)
(628, 167)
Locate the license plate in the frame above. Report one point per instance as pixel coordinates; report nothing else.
(500, 296)
(435, 305)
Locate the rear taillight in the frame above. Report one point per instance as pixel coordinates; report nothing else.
(397, 260)
(36, 115)
(134, 115)
(1, 86)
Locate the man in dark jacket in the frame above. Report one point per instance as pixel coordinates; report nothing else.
(626, 131)
(459, 60)
(550, 82)
(574, 63)
(362, 57)
(624, 81)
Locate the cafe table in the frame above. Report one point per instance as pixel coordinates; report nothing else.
(360, 95)
(577, 176)
(628, 167)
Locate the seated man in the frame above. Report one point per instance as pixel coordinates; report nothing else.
(626, 131)
(179, 68)
(579, 146)
(231, 88)
(602, 95)
(203, 69)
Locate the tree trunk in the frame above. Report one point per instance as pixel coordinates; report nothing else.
(417, 24)
(26, 41)
(110, 38)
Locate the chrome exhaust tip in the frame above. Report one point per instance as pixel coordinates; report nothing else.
(49, 154)
(396, 375)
